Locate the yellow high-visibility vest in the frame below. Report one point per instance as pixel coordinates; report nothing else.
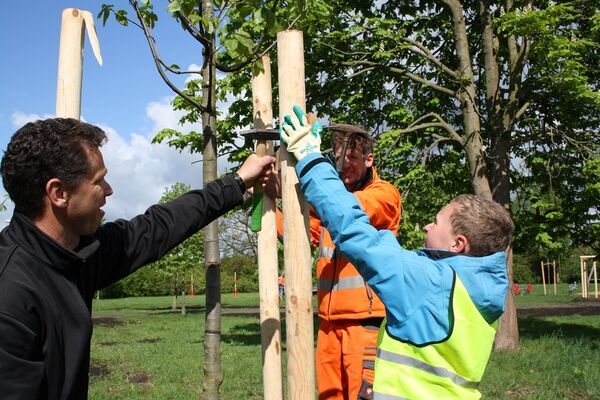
(449, 369)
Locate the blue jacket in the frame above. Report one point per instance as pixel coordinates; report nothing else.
(415, 286)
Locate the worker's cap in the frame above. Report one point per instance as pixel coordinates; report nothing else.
(357, 137)
(347, 128)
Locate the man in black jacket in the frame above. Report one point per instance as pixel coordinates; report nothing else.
(54, 255)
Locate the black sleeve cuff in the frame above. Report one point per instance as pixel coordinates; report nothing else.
(311, 164)
(239, 181)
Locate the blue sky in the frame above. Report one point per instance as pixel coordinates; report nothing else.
(125, 96)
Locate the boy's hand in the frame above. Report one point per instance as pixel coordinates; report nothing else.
(301, 139)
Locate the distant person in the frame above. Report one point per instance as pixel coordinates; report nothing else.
(442, 303)
(529, 288)
(516, 288)
(54, 255)
(281, 284)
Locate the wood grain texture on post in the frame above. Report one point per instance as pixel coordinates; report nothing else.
(270, 322)
(296, 247)
(70, 60)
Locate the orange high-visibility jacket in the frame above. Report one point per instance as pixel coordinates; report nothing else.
(342, 292)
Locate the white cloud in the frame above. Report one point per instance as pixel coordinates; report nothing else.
(138, 170)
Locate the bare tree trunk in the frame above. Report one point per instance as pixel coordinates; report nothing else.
(472, 141)
(213, 376)
(507, 336)
(496, 187)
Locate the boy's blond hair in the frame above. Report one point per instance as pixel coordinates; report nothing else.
(486, 224)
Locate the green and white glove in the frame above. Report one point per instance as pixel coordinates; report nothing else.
(301, 140)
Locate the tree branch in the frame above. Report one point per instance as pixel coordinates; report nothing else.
(441, 123)
(158, 62)
(425, 52)
(401, 71)
(192, 30)
(256, 55)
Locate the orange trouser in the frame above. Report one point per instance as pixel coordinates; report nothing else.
(345, 358)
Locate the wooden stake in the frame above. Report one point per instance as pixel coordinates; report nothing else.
(584, 280)
(270, 323)
(297, 258)
(543, 278)
(70, 60)
(595, 272)
(581, 274)
(554, 274)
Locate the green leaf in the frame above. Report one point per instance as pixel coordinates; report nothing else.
(174, 7)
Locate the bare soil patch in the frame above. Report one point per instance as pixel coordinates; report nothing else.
(139, 378)
(98, 369)
(578, 306)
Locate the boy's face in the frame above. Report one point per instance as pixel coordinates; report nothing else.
(439, 234)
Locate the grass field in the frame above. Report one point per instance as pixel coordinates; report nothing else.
(141, 349)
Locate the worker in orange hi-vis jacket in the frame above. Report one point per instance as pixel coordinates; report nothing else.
(349, 312)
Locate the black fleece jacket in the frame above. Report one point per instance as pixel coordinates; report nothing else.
(46, 290)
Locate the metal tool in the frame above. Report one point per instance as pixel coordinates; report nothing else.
(261, 136)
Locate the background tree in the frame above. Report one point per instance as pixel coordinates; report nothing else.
(236, 236)
(500, 99)
(158, 278)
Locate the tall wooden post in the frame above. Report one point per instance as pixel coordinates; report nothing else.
(584, 279)
(70, 60)
(298, 291)
(543, 278)
(554, 274)
(270, 323)
(595, 272)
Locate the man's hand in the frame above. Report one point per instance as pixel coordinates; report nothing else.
(256, 170)
(301, 138)
(273, 186)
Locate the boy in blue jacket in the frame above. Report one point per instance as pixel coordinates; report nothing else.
(442, 303)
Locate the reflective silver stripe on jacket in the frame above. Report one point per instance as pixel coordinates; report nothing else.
(351, 282)
(381, 396)
(413, 362)
(326, 252)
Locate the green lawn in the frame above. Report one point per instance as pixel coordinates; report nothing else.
(157, 353)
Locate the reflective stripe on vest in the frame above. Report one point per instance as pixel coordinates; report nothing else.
(450, 369)
(413, 362)
(351, 282)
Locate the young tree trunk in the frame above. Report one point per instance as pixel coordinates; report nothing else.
(212, 331)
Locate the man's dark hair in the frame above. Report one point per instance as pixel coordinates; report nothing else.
(42, 150)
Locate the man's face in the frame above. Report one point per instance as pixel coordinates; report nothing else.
(83, 208)
(356, 165)
(439, 234)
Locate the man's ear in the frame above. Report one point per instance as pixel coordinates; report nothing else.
(369, 160)
(57, 193)
(460, 245)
